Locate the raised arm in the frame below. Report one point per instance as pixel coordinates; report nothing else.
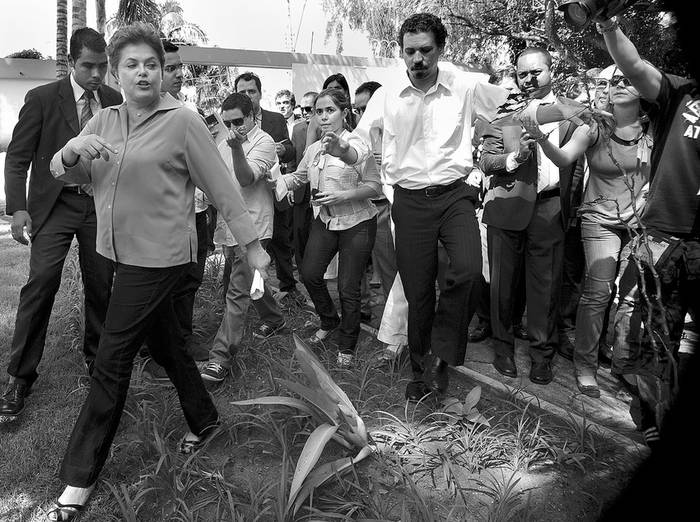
(571, 150)
(644, 77)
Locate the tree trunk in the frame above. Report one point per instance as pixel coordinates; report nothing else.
(61, 38)
(100, 15)
(79, 15)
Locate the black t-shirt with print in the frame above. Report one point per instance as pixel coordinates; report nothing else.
(672, 203)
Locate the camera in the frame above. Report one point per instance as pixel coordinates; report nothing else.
(579, 13)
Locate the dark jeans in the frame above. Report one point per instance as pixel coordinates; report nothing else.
(141, 301)
(184, 294)
(420, 222)
(354, 246)
(73, 215)
(280, 249)
(573, 270)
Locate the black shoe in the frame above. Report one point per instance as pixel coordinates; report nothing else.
(155, 372)
(12, 401)
(438, 375)
(566, 351)
(541, 372)
(479, 333)
(416, 390)
(520, 332)
(605, 355)
(505, 365)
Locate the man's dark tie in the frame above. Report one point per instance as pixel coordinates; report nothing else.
(86, 113)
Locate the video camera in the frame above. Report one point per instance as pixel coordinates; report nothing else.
(579, 13)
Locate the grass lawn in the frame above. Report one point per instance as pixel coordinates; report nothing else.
(430, 462)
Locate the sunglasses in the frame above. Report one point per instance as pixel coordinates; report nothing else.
(618, 78)
(360, 110)
(307, 109)
(236, 122)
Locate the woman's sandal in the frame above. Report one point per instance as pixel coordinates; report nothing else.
(64, 512)
(320, 336)
(191, 443)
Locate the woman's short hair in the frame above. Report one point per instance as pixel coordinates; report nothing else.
(138, 32)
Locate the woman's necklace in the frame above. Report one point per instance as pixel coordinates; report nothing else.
(627, 143)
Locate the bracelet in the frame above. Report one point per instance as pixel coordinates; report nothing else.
(614, 26)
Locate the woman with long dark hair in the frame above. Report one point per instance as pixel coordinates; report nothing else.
(344, 222)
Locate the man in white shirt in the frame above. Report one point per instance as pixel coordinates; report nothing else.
(526, 208)
(426, 120)
(249, 154)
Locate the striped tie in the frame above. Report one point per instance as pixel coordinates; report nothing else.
(86, 113)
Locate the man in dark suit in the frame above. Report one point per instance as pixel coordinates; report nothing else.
(280, 246)
(54, 213)
(526, 208)
(301, 212)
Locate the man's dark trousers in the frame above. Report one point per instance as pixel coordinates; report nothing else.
(421, 220)
(280, 248)
(540, 248)
(73, 215)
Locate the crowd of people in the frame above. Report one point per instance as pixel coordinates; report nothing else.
(581, 215)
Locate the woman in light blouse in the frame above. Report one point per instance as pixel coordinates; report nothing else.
(143, 159)
(344, 222)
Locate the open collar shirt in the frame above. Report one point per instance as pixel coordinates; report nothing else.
(144, 194)
(259, 150)
(327, 173)
(426, 137)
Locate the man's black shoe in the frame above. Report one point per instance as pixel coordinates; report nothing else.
(520, 332)
(541, 372)
(12, 401)
(566, 351)
(438, 375)
(416, 390)
(479, 333)
(505, 365)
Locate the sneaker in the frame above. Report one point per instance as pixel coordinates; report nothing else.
(265, 331)
(344, 360)
(155, 372)
(214, 372)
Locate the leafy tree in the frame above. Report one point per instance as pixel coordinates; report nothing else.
(29, 54)
(487, 33)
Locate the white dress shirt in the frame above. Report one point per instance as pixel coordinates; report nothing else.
(426, 137)
(78, 91)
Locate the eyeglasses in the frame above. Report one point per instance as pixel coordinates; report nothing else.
(619, 78)
(305, 110)
(236, 122)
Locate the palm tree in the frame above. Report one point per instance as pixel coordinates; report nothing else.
(100, 15)
(174, 26)
(79, 15)
(61, 38)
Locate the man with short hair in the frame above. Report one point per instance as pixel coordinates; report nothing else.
(527, 209)
(285, 102)
(249, 154)
(426, 119)
(54, 213)
(274, 124)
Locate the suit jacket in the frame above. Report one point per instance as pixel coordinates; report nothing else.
(302, 195)
(47, 120)
(276, 126)
(510, 196)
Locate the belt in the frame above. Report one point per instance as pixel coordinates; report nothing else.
(76, 189)
(546, 194)
(433, 190)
